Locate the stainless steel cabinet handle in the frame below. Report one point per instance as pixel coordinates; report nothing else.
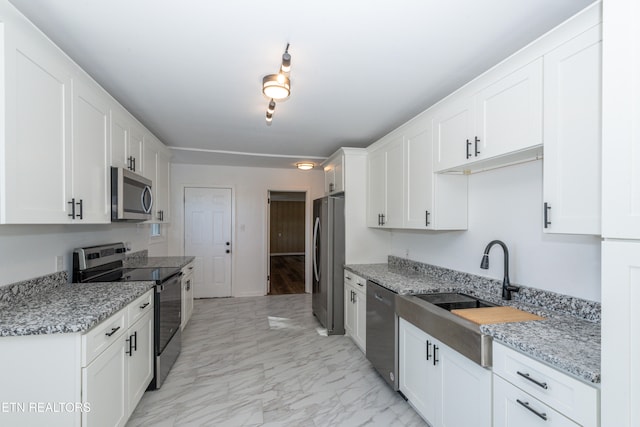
(435, 357)
(130, 351)
(113, 331)
(428, 345)
(80, 204)
(360, 284)
(73, 208)
(526, 376)
(144, 305)
(547, 208)
(542, 415)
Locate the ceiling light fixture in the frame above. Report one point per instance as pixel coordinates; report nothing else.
(304, 166)
(277, 86)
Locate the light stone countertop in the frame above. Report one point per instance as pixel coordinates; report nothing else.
(153, 262)
(67, 308)
(568, 339)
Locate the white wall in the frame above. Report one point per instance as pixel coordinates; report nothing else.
(506, 204)
(28, 251)
(249, 229)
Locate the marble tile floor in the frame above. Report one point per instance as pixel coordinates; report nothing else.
(260, 361)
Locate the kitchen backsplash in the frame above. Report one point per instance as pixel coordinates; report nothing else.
(584, 309)
(136, 257)
(13, 291)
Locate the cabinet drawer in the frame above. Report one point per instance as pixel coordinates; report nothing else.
(565, 394)
(513, 407)
(102, 336)
(356, 281)
(140, 307)
(187, 270)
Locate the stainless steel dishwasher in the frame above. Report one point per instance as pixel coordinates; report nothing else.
(382, 332)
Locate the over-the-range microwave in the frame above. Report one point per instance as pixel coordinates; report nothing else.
(131, 196)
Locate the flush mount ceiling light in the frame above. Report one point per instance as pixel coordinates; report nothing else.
(304, 166)
(277, 86)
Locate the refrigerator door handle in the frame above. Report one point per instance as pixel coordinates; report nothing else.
(316, 229)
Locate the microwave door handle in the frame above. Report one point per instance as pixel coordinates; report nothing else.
(147, 209)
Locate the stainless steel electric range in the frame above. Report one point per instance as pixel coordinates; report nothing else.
(105, 263)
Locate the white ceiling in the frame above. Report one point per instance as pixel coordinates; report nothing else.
(191, 70)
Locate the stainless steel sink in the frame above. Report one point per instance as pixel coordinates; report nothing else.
(429, 312)
(455, 301)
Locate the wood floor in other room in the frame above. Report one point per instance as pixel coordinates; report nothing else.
(260, 361)
(287, 274)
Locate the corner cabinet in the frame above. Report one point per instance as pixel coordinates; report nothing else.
(403, 192)
(355, 307)
(573, 135)
(444, 387)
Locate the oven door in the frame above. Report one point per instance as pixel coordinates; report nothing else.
(168, 311)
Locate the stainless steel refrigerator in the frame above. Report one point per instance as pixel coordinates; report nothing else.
(328, 262)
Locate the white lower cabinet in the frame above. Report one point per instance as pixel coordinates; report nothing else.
(530, 393)
(446, 388)
(513, 407)
(355, 308)
(104, 387)
(90, 379)
(114, 380)
(187, 294)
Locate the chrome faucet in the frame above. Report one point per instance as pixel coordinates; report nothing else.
(507, 288)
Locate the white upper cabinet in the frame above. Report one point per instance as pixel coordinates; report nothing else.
(91, 183)
(572, 135)
(35, 159)
(385, 175)
(431, 201)
(621, 133)
(403, 190)
(161, 186)
(61, 133)
(493, 117)
(334, 173)
(508, 113)
(147, 167)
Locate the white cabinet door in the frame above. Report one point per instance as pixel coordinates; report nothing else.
(119, 137)
(37, 130)
(104, 388)
(418, 174)
(91, 185)
(376, 187)
(453, 127)
(360, 335)
(334, 174)
(621, 135)
(394, 184)
(463, 381)
(136, 147)
(513, 407)
(620, 332)
(140, 359)
(419, 379)
(508, 113)
(161, 187)
(149, 150)
(349, 310)
(572, 135)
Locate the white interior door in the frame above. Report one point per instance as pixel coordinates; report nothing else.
(207, 237)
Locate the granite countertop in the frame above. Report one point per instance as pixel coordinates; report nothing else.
(67, 308)
(568, 339)
(162, 261)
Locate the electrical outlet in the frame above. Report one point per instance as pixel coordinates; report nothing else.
(59, 262)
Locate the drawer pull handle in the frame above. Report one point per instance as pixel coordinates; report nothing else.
(526, 405)
(536, 382)
(348, 277)
(113, 331)
(145, 305)
(360, 284)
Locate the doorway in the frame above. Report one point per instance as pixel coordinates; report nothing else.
(207, 237)
(287, 242)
